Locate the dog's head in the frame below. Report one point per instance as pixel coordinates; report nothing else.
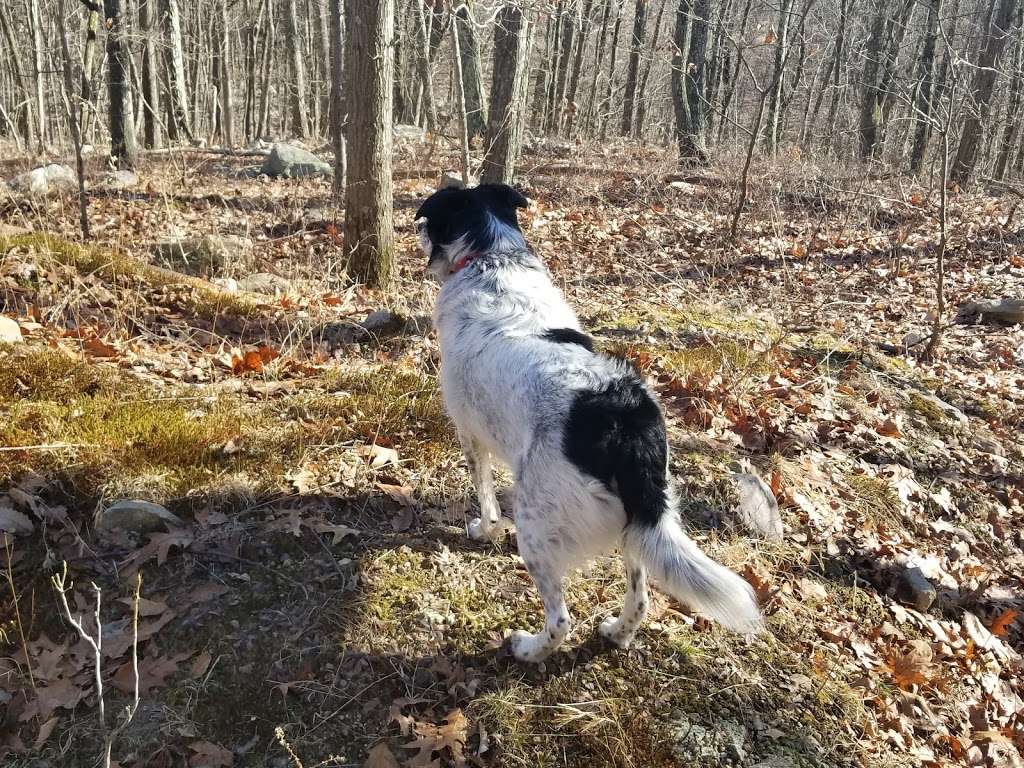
(453, 224)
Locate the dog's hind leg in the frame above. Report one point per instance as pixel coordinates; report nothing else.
(489, 526)
(547, 574)
(622, 629)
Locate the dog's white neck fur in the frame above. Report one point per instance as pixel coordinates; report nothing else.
(511, 290)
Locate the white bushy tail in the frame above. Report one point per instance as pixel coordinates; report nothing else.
(690, 576)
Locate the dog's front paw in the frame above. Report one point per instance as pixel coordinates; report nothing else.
(523, 647)
(611, 630)
(477, 532)
(493, 533)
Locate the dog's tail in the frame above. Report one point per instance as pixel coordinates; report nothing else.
(692, 577)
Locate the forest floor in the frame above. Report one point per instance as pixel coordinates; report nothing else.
(321, 599)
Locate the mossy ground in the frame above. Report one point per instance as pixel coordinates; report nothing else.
(347, 596)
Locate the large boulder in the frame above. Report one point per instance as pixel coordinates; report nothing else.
(292, 162)
(46, 180)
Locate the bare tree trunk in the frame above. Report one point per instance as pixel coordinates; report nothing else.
(300, 117)
(227, 112)
(636, 47)
(925, 86)
(473, 79)
(1012, 112)
(122, 119)
(176, 53)
(771, 135)
(688, 80)
(150, 107)
(423, 65)
(460, 92)
(731, 89)
(641, 99)
(369, 62)
(871, 103)
(997, 30)
(602, 41)
(832, 70)
(572, 106)
(38, 72)
(73, 121)
(24, 112)
(338, 116)
(610, 84)
(508, 82)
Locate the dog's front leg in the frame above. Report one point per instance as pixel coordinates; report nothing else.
(489, 526)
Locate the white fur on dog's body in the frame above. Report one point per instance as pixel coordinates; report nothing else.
(509, 392)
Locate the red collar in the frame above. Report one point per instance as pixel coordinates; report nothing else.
(464, 261)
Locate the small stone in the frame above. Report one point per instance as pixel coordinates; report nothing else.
(205, 254)
(139, 516)
(758, 510)
(13, 521)
(914, 589)
(383, 322)
(264, 282)
(410, 133)
(10, 331)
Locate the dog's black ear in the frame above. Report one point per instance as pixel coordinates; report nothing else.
(505, 194)
(444, 201)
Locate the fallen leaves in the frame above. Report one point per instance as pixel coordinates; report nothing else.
(911, 667)
(254, 360)
(450, 735)
(210, 755)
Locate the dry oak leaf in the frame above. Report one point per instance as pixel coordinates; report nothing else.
(94, 346)
(1001, 624)
(378, 455)
(210, 755)
(61, 694)
(890, 428)
(338, 532)
(451, 734)
(913, 666)
(381, 757)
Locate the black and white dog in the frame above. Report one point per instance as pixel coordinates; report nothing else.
(582, 433)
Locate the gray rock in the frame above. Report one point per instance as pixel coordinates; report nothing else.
(383, 322)
(10, 331)
(204, 255)
(46, 180)
(13, 521)
(411, 133)
(292, 162)
(722, 743)
(914, 589)
(264, 282)
(452, 179)
(139, 516)
(1005, 311)
(758, 510)
(119, 180)
(776, 761)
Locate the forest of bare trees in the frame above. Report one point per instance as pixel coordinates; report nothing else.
(891, 84)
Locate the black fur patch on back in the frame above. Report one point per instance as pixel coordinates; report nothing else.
(617, 434)
(568, 336)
